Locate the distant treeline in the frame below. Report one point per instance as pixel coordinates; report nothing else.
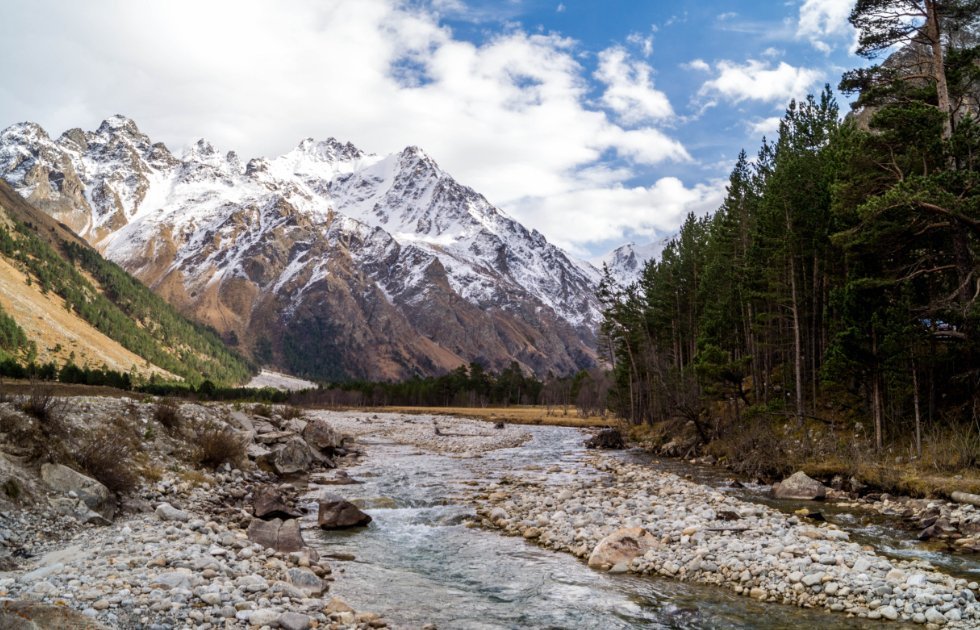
(71, 374)
(469, 386)
(466, 386)
(68, 373)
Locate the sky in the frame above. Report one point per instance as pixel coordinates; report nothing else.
(597, 122)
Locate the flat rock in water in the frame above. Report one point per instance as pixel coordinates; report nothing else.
(335, 512)
(340, 478)
(621, 546)
(799, 486)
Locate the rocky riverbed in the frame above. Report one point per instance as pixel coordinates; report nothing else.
(439, 434)
(174, 569)
(638, 520)
(188, 547)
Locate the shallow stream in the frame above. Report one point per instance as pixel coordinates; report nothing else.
(418, 562)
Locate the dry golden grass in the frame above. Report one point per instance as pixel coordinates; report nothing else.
(23, 387)
(522, 414)
(880, 471)
(59, 332)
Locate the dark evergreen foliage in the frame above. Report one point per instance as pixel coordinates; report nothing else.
(841, 270)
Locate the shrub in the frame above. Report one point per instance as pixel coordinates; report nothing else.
(168, 414)
(216, 444)
(112, 467)
(42, 404)
(263, 410)
(952, 448)
(11, 488)
(289, 412)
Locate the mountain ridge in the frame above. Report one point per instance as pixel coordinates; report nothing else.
(78, 308)
(369, 254)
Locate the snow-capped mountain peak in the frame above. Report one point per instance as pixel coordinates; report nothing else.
(253, 249)
(626, 262)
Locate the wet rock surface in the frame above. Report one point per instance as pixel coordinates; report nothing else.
(799, 486)
(335, 512)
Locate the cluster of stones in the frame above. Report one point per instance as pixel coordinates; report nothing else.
(956, 524)
(171, 569)
(456, 436)
(190, 550)
(635, 519)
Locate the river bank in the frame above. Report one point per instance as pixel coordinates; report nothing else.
(691, 532)
(179, 542)
(424, 559)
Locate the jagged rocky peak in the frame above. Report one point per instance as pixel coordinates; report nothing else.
(119, 124)
(626, 262)
(200, 150)
(418, 158)
(329, 150)
(23, 132)
(74, 138)
(256, 165)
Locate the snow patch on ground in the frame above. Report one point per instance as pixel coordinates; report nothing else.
(277, 380)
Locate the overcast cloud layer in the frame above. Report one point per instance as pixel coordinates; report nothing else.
(579, 141)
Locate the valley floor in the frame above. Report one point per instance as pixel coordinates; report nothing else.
(181, 553)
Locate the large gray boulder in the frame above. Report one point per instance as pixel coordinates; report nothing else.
(799, 486)
(268, 503)
(276, 534)
(305, 580)
(320, 435)
(621, 546)
(335, 512)
(65, 480)
(291, 457)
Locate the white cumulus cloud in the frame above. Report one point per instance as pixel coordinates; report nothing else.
(697, 64)
(765, 127)
(824, 21)
(617, 212)
(629, 88)
(760, 81)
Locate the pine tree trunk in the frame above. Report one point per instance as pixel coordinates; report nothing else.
(938, 66)
(918, 418)
(876, 393)
(798, 358)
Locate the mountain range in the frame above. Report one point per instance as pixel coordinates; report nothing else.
(326, 261)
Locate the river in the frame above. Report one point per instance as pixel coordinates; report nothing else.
(418, 562)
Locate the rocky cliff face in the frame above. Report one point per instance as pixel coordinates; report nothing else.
(325, 261)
